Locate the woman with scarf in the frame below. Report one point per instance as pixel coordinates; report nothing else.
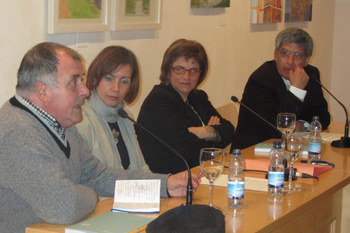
(113, 79)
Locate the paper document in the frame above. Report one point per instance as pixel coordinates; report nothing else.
(138, 196)
(327, 137)
(254, 184)
(264, 149)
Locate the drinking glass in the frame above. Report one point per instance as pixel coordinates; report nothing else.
(292, 151)
(286, 124)
(211, 162)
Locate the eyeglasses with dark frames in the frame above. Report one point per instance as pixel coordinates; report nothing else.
(182, 70)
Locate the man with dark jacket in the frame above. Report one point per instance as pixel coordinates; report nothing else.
(285, 84)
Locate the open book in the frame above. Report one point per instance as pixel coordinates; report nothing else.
(137, 196)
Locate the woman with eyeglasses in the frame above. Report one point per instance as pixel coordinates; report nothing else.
(113, 80)
(179, 113)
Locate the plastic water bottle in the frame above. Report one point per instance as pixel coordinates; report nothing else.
(276, 169)
(315, 139)
(235, 180)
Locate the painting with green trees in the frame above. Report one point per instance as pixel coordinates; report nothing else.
(209, 3)
(137, 7)
(79, 9)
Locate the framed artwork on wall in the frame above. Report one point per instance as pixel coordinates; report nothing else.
(67, 16)
(137, 15)
(265, 11)
(210, 4)
(298, 11)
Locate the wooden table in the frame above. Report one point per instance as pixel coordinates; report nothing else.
(317, 208)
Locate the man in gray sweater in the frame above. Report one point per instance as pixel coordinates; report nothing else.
(47, 173)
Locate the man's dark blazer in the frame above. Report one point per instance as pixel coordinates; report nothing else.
(266, 94)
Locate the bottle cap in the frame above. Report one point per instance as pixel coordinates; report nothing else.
(236, 152)
(315, 118)
(277, 144)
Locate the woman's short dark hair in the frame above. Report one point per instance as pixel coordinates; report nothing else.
(109, 60)
(187, 49)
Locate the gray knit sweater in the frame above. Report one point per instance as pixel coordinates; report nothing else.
(37, 181)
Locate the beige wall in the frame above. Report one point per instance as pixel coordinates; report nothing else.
(340, 79)
(235, 47)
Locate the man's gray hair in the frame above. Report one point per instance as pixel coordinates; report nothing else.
(39, 64)
(296, 36)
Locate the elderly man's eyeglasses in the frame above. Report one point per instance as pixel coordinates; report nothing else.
(298, 56)
(182, 70)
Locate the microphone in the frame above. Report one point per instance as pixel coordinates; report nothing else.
(295, 173)
(343, 142)
(122, 113)
(235, 99)
(305, 175)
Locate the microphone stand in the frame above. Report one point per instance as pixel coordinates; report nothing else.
(235, 99)
(343, 142)
(123, 114)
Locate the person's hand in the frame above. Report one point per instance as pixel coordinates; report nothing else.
(298, 77)
(214, 120)
(177, 184)
(201, 131)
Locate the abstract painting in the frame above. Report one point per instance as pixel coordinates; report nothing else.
(266, 11)
(298, 10)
